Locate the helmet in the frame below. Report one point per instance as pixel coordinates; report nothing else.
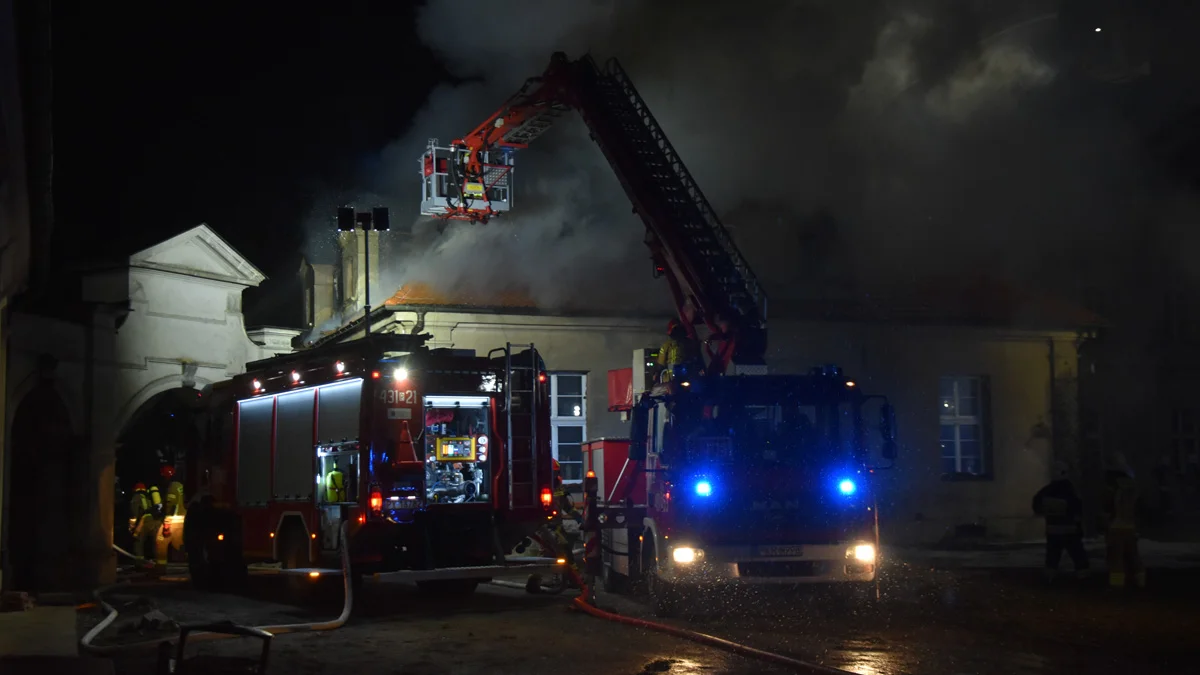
(168, 471)
(139, 486)
(554, 463)
(672, 325)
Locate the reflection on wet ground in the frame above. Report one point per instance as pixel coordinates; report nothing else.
(937, 623)
(928, 623)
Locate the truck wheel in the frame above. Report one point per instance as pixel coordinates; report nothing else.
(293, 549)
(293, 554)
(448, 587)
(663, 596)
(195, 534)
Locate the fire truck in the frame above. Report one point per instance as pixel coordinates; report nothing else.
(438, 459)
(730, 474)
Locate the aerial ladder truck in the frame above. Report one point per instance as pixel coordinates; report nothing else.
(730, 475)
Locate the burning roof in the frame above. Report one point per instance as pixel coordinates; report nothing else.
(420, 294)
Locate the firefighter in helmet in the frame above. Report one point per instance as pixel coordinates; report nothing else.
(680, 349)
(558, 535)
(176, 506)
(145, 525)
(1121, 538)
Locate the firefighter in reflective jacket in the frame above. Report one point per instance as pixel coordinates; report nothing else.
(679, 350)
(558, 535)
(1061, 507)
(145, 522)
(1120, 510)
(176, 506)
(335, 485)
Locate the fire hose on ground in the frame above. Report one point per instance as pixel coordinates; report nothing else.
(86, 646)
(582, 603)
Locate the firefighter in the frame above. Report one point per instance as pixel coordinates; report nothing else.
(335, 485)
(680, 349)
(176, 506)
(559, 533)
(144, 523)
(1120, 511)
(1059, 504)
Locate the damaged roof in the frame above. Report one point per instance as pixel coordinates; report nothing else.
(420, 294)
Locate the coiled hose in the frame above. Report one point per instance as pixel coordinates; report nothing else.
(86, 646)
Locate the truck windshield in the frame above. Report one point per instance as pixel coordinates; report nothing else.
(795, 433)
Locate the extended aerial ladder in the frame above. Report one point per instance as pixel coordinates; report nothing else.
(711, 283)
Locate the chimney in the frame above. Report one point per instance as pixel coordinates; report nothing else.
(353, 276)
(319, 287)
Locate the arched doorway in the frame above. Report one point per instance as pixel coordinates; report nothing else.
(167, 430)
(43, 523)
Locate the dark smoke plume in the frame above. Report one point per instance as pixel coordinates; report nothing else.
(846, 145)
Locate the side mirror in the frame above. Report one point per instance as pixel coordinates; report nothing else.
(639, 431)
(887, 422)
(889, 450)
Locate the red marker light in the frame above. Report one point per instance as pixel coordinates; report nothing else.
(541, 377)
(374, 374)
(547, 497)
(376, 501)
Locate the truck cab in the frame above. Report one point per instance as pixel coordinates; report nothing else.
(745, 479)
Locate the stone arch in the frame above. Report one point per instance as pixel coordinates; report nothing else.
(74, 408)
(43, 505)
(149, 391)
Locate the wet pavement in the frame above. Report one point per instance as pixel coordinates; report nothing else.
(929, 621)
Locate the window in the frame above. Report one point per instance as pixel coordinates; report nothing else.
(962, 410)
(1185, 438)
(1179, 324)
(568, 420)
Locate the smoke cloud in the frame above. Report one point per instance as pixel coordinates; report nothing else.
(845, 144)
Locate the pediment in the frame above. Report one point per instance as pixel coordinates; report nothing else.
(199, 252)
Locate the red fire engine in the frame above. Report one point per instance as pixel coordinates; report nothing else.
(729, 475)
(439, 460)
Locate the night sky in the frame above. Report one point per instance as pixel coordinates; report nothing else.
(241, 116)
(227, 114)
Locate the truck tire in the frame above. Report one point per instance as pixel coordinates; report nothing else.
(448, 587)
(293, 547)
(293, 553)
(664, 599)
(196, 532)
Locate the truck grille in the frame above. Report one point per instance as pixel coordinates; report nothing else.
(781, 568)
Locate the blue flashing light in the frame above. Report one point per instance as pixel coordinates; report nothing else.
(847, 487)
(704, 488)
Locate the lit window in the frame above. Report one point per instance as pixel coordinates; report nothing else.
(568, 419)
(961, 411)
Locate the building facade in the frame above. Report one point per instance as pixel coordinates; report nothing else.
(983, 411)
(81, 378)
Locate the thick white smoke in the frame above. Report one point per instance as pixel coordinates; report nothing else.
(839, 140)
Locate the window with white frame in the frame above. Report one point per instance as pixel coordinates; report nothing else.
(961, 411)
(568, 421)
(1185, 438)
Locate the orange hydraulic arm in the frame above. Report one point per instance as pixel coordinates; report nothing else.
(710, 281)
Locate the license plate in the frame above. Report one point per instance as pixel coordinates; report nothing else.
(781, 551)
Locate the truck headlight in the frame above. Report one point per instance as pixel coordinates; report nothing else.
(864, 553)
(685, 554)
